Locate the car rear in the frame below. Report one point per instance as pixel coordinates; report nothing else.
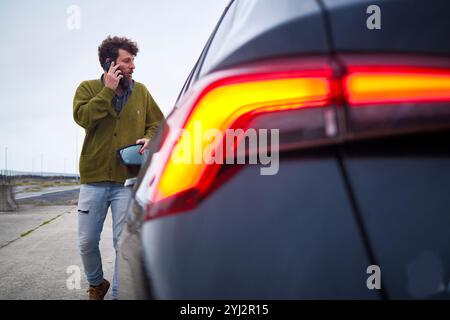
(359, 173)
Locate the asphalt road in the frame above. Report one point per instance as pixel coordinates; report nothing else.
(46, 191)
(68, 197)
(39, 254)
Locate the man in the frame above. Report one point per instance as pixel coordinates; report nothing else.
(116, 111)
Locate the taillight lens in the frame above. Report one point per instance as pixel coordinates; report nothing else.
(312, 102)
(226, 103)
(386, 97)
(383, 85)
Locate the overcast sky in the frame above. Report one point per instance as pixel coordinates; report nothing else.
(44, 56)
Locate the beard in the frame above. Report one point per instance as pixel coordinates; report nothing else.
(124, 83)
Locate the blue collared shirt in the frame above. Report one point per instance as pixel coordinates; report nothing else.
(120, 101)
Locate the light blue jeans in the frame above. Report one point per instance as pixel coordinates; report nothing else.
(93, 204)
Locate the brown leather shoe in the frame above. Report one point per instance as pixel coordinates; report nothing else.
(98, 292)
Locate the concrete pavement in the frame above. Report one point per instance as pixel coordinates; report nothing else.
(39, 253)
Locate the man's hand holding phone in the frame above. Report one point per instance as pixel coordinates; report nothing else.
(112, 76)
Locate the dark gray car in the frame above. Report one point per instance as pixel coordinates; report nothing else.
(358, 203)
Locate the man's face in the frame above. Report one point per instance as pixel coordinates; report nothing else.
(126, 62)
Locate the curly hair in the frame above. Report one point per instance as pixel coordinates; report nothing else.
(109, 48)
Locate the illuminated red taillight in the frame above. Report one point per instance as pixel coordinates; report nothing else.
(385, 96)
(312, 102)
(227, 102)
(383, 85)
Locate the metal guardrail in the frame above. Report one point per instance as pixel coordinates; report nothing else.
(10, 175)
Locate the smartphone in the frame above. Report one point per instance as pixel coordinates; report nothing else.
(123, 82)
(107, 65)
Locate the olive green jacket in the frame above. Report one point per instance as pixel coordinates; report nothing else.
(107, 131)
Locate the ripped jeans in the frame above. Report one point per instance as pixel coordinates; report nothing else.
(93, 204)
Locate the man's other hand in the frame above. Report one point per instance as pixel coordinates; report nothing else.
(145, 143)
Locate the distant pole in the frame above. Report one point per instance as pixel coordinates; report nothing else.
(32, 165)
(42, 165)
(6, 158)
(64, 166)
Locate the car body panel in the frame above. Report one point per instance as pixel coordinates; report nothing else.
(255, 30)
(269, 244)
(407, 26)
(402, 192)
